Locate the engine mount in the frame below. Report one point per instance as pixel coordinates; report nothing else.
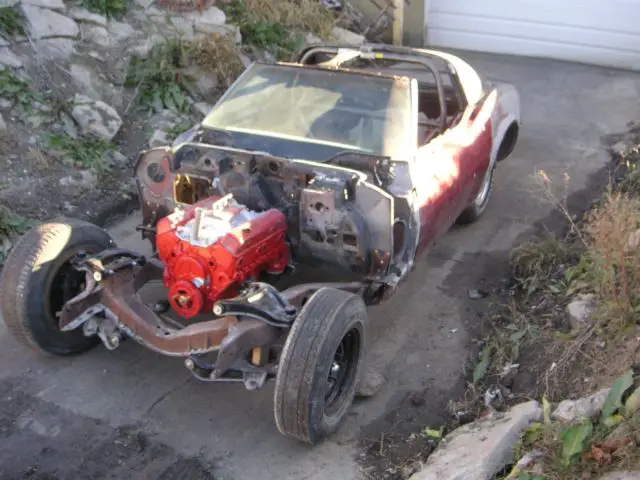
(211, 247)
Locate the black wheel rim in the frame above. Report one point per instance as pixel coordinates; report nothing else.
(342, 371)
(65, 284)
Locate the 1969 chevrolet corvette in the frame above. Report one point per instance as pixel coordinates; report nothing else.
(351, 160)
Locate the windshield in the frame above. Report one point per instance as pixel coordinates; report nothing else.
(356, 112)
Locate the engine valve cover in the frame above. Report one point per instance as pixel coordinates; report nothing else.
(213, 246)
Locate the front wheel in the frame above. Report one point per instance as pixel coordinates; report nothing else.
(479, 205)
(320, 365)
(38, 279)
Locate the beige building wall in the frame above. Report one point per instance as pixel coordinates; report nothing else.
(414, 18)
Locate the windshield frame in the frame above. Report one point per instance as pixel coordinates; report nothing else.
(395, 146)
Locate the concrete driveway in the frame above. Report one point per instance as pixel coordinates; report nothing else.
(66, 415)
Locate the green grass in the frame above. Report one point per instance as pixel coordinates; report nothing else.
(11, 22)
(18, 90)
(108, 8)
(87, 152)
(157, 78)
(11, 225)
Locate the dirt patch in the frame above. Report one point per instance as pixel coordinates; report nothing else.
(43, 442)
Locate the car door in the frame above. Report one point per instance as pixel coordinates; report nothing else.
(437, 188)
(472, 140)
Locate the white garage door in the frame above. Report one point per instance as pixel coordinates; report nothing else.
(601, 32)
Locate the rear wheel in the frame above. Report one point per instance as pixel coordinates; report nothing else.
(479, 205)
(38, 279)
(320, 365)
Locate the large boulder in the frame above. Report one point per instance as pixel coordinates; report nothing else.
(479, 450)
(45, 23)
(96, 117)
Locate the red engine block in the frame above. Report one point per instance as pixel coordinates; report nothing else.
(211, 247)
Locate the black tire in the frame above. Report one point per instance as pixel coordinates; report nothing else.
(479, 204)
(37, 279)
(306, 407)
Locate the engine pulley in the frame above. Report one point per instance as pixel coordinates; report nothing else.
(185, 298)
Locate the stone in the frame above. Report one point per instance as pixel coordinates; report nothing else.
(68, 125)
(246, 61)
(95, 117)
(311, 38)
(85, 16)
(621, 476)
(619, 148)
(9, 59)
(83, 178)
(573, 410)
(44, 23)
(120, 31)
(203, 108)
(200, 82)
(210, 17)
(3, 124)
(145, 45)
(55, 48)
(51, 4)
(479, 450)
(85, 79)
(580, 311)
(5, 103)
(96, 35)
(4, 43)
(8, 3)
(370, 383)
(344, 36)
(159, 139)
(164, 120)
(114, 158)
(144, 3)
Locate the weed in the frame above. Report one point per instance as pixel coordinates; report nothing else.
(11, 22)
(536, 262)
(87, 152)
(157, 78)
(108, 8)
(588, 447)
(277, 26)
(18, 90)
(11, 225)
(176, 130)
(216, 54)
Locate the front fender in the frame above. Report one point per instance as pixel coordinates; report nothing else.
(506, 113)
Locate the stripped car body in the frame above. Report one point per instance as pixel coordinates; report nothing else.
(356, 159)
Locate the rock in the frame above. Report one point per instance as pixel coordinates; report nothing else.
(96, 34)
(96, 117)
(200, 82)
(344, 36)
(475, 294)
(5, 103)
(120, 31)
(246, 61)
(85, 16)
(97, 56)
(573, 410)
(159, 139)
(370, 384)
(114, 158)
(621, 476)
(634, 241)
(51, 4)
(3, 124)
(164, 120)
(4, 43)
(68, 125)
(479, 450)
(8, 3)
(211, 16)
(85, 78)
(203, 108)
(144, 3)
(145, 45)
(84, 179)
(580, 311)
(9, 59)
(44, 23)
(55, 48)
